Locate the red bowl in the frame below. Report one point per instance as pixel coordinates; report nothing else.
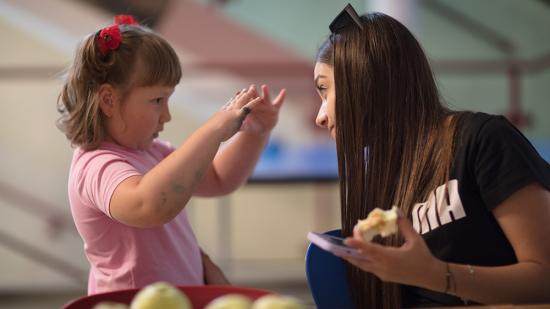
(199, 295)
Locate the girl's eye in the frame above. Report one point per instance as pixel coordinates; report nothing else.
(157, 101)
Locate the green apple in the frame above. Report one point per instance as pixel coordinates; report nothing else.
(160, 295)
(277, 302)
(110, 305)
(230, 301)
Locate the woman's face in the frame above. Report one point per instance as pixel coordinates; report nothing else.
(324, 82)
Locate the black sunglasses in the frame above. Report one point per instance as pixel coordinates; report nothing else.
(343, 19)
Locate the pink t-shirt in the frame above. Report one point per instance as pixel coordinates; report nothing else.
(122, 256)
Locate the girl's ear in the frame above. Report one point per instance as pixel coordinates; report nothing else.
(107, 97)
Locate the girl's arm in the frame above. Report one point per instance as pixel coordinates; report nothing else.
(235, 162)
(525, 219)
(158, 196)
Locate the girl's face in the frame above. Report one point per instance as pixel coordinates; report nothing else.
(137, 121)
(324, 82)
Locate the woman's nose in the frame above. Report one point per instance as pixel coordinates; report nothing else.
(322, 119)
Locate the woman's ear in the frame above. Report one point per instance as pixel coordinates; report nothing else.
(107, 97)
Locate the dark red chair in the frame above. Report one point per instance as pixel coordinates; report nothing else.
(199, 295)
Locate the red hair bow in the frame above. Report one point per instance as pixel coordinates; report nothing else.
(125, 20)
(109, 39)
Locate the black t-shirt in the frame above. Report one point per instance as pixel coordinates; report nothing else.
(492, 160)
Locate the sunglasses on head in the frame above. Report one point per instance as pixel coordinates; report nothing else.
(343, 19)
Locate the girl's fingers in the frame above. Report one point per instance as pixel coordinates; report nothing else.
(239, 95)
(254, 103)
(246, 96)
(247, 109)
(265, 94)
(278, 102)
(226, 105)
(252, 90)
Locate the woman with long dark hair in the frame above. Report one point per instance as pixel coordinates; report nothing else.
(472, 191)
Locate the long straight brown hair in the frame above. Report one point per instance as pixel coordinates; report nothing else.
(394, 142)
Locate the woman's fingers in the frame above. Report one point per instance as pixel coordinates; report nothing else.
(364, 264)
(357, 233)
(406, 228)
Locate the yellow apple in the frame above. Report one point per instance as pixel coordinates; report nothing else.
(160, 295)
(277, 302)
(230, 301)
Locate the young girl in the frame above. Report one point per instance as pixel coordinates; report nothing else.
(127, 189)
(476, 190)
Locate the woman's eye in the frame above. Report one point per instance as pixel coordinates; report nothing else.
(322, 90)
(157, 101)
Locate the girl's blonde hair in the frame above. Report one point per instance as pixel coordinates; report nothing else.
(81, 118)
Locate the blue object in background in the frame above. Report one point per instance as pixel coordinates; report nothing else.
(543, 147)
(287, 163)
(282, 162)
(326, 277)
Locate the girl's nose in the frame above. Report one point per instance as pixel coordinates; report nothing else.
(166, 116)
(322, 118)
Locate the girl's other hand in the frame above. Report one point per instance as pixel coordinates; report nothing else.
(265, 115)
(213, 274)
(230, 118)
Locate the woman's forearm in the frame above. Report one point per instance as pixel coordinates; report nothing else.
(524, 282)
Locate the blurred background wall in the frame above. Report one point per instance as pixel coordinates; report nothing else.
(491, 56)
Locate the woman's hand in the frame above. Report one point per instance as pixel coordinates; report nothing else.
(265, 114)
(411, 264)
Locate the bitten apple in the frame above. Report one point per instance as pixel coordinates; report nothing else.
(378, 222)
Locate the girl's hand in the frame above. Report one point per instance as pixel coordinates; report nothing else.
(265, 114)
(229, 120)
(213, 275)
(411, 264)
